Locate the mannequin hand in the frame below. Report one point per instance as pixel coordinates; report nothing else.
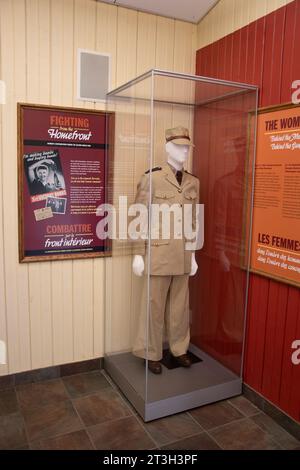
(138, 265)
(194, 265)
(224, 262)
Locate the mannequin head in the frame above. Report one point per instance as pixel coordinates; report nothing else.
(177, 154)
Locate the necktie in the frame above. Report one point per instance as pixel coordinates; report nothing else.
(179, 176)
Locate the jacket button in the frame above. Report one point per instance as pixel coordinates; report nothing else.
(180, 190)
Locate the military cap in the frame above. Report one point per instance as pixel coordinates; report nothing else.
(179, 136)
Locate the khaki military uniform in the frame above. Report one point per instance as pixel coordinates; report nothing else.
(170, 264)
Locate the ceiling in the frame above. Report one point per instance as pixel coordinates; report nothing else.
(186, 10)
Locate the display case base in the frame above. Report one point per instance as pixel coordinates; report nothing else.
(175, 390)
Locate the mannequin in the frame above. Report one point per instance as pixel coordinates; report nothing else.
(177, 156)
(171, 262)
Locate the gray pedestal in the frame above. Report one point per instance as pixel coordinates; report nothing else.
(175, 390)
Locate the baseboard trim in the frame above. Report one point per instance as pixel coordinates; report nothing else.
(48, 373)
(279, 416)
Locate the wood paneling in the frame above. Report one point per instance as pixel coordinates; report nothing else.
(265, 53)
(13, 32)
(83, 315)
(3, 335)
(53, 312)
(62, 60)
(230, 15)
(291, 63)
(38, 91)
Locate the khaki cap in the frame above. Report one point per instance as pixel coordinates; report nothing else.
(179, 136)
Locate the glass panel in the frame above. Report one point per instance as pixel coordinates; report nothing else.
(224, 161)
(126, 293)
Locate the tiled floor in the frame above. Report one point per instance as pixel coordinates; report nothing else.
(86, 411)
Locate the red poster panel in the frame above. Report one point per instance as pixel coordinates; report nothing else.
(63, 179)
(276, 217)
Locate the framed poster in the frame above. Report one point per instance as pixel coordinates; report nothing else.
(275, 249)
(63, 159)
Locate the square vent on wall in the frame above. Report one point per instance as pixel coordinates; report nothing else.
(93, 75)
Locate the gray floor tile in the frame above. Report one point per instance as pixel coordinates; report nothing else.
(122, 434)
(244, 406)
(211, 416)
(85, 384)
(282, 437)
(8, 402)
(12, 432)
(51, 420)
(78, 440)
(41, 393)
(199, 442)
(172, 428)
(243, 435)
(103, 406)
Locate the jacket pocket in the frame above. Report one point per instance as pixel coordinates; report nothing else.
(159, 194)
(190, 194)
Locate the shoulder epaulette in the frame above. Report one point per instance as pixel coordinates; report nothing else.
(190, 173)
(157, 168)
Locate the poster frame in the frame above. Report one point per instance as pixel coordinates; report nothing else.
(281, 279)
(109, 157)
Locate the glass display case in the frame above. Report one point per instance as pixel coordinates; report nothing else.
(175, 341)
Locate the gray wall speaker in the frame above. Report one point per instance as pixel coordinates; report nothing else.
(93, 75)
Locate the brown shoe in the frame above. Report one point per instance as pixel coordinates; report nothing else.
(183, 360)
(154, 366)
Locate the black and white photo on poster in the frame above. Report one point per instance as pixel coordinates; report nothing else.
(57, 204)
(44, 172)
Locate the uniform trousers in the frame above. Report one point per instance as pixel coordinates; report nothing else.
(169, 306)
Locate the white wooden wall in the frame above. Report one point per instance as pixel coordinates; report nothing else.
(230, 15)
(53, 312)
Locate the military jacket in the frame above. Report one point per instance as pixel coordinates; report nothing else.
(168, 255)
